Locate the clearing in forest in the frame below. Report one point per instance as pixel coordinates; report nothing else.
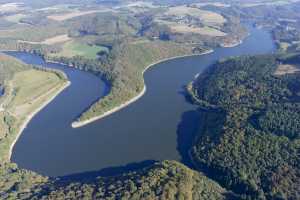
(63, 17)
(73, 48)
(207, 17)
(286, 69)
(57, 39)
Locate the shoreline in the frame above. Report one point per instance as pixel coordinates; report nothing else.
(59, 63)
(31, 115)
(232, 45)
(78, 124)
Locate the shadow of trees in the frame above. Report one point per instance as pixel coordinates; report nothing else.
(187, 131)
(89, 177)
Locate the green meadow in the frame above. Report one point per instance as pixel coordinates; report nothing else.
(72, 48)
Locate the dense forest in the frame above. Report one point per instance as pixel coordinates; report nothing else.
(250, 140)
(161, 180)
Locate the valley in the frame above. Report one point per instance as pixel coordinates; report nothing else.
(97, 100)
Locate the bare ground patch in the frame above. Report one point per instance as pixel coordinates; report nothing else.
(206, 16)
(57, 39)
(216, 4)
(23, 109)
(180, 28)
(186, 28)
(62, 17)
(286, 69)
(11, 7)
(15, 18)
(50, 41)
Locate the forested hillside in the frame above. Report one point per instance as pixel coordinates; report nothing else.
(166, 180)
(250, 141)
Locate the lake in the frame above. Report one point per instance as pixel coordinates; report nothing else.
(158, 126)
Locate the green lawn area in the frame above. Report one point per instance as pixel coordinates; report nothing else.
(33, 82)
(28, 89)
(73, 48)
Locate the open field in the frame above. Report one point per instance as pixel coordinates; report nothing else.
(207, 17)
(57, 39)
(11, 7)
(286, 69)
(33, 34)
(203, 22)
(33, 82)
(60, 7)
(268, 3)
(185, 28)
(50, 41)
(15, 18)
(73, 48)
(217, 4)
(63, 17)
(283, 46)
(181, 28)
(140, 4)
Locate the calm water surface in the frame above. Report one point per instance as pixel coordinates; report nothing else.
(156, 127)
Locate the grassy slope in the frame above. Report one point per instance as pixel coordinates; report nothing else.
(72, 48)
(26, 90)
(34, 34)
(242, 145)
(7, 72)
(33, 82)
(15, 18)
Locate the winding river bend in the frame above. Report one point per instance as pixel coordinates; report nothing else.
(149, 129)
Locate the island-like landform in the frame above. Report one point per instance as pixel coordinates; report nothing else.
(247, 145)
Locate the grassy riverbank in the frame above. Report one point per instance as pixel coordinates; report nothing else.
(27, 91)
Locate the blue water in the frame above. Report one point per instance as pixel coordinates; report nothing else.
(159, 126)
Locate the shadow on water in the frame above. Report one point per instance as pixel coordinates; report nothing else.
(1, 90)
(183, 92)
(187, 130)
(87, 177)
